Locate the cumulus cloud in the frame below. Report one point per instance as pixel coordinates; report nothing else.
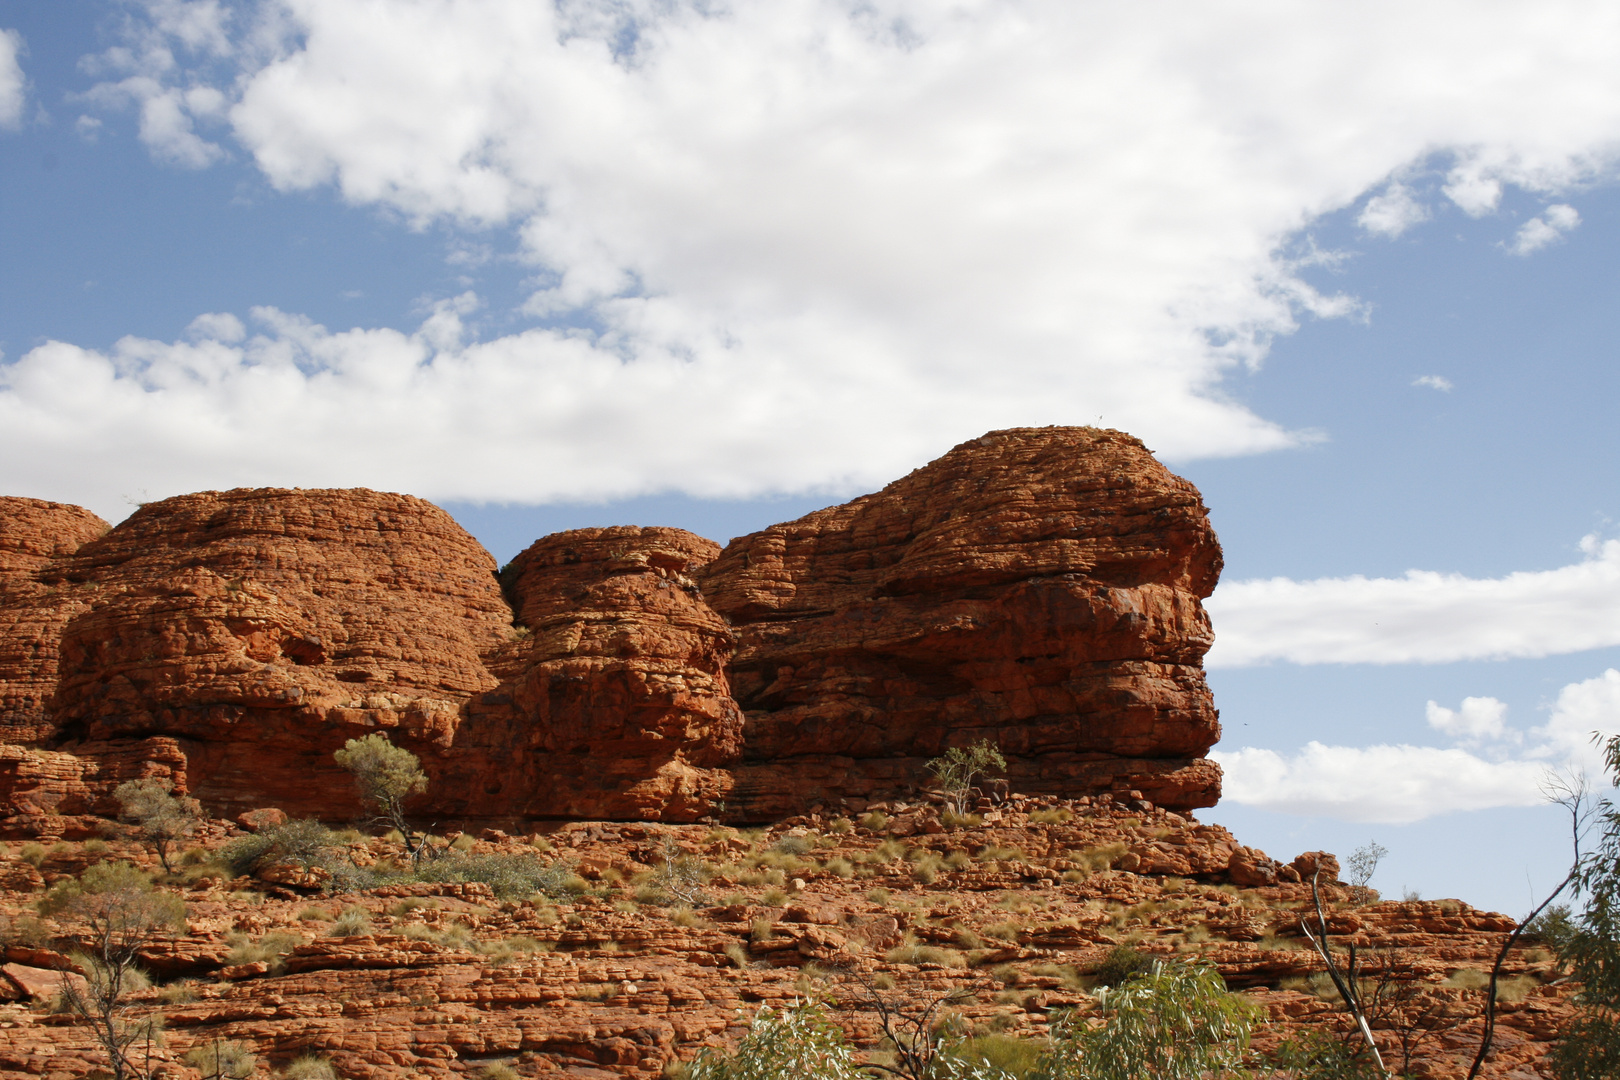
(1553, 224)
(1479, 718)
(876, 228)
(1435, 382)
(1423, 617)
(1401, 783)
(13, 84)
(1392, 211)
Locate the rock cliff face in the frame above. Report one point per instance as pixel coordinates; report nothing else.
(614, 702)
(1036, 587)
(244, 635)
(36, 539)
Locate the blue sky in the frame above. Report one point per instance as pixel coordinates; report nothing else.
(603, 262)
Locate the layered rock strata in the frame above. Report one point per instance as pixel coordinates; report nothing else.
(1039, 588)
(614, 700)
(1014, 917)
(36, 539)
(245, 635)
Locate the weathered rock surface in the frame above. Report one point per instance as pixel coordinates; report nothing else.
(1015, 914)
(1037, 587)
(250, 633)
(615, 703)
(36, 539)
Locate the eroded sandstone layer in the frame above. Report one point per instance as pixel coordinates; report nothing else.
(614, 700)
(1016, 917)
(232, 640)
(36, 539)
(1039, 588)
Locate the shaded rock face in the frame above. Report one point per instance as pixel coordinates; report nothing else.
(615, 702)
(253, 632)
(37, 539)
(1037, 587)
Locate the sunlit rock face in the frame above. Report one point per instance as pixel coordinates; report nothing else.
(1039, 588)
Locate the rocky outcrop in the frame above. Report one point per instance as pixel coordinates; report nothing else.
(254, 631)
(36, 539)
(615, 701)
(1039, 588)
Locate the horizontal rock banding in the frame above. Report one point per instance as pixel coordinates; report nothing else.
(1039, 588)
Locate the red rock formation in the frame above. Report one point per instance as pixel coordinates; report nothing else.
(255, 631)
(616, 704)
(36, 538)
(1036, 587)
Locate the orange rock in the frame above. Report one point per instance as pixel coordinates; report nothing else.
(256, 630)
(616, 704)
(1037, 587)
(36, 539)
(1040, 588)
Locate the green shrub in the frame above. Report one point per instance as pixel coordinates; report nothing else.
(309, 1067)
(959, 767)
(796, 1043)
(510, 877)
(352, 921)
(927, 954)
(271, 948)
(221, 1060)
(1168, 1023)
(1121, 964)
(32, 854)
(163, 819)
(1102, 856)
(1554, 927)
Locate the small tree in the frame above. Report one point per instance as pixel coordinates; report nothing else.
(1174, 1022)
(163, 819)
(221, 1060)
(1590, 1045)
(798, 1042)
(122, 912)
(386, 775)
(958, 768)
(1361, 866)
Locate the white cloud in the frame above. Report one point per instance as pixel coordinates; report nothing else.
(13, 84)
(217, 326)
(1538, 232)
(874, 228)
(1392, 784)
(1478, 718)
(1434, 382)
(1402, 783)
(1423, 617)
(1392, 212)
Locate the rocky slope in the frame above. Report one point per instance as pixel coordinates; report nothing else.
(1039, 588)
(613, 976)
(602, 711)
